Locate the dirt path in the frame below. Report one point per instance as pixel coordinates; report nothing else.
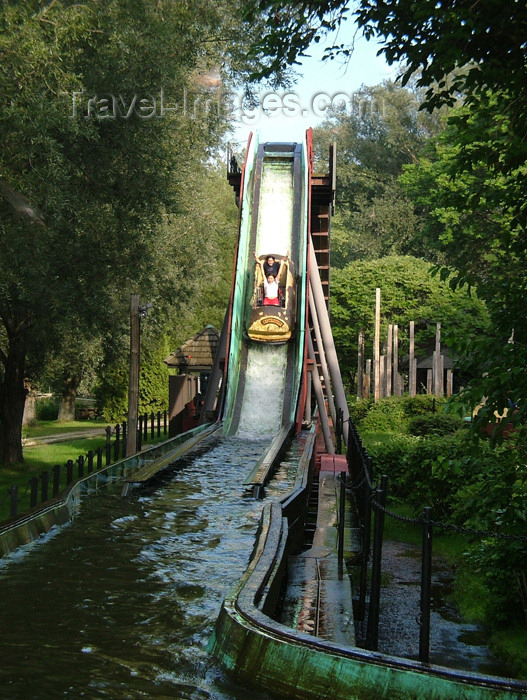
(453, 642)
(64, 437)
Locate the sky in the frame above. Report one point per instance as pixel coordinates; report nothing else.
(293, 111)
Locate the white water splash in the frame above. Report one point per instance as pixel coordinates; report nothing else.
(263, 397)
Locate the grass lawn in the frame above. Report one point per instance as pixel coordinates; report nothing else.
(43, 457)
(38, 459)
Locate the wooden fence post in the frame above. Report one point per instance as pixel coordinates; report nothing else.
(360, 366)
(412, 365)
(376, 347)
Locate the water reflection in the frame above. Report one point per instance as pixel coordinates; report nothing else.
(121, 603)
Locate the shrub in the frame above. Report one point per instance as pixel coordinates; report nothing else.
(386, 414)
(434, 424)
(425, 472)
(359, 409)
(47, 408)
(422, 404)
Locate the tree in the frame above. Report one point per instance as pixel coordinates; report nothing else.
(431, 39)
(90, 164)
(472, 223)
(408, 293)
(198, 251)
(376, 136)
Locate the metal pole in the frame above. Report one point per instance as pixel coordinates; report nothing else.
(426, 588)
(133, 387)
(342, 518)
(366, 538)
(372, 636)
(108, 445)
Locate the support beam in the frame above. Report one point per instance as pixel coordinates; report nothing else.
(360, 366)
(317, 388)
(412, 368)
(322, 358)
(329, 344)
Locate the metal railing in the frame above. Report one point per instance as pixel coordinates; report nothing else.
(48, 484)
(368, 502)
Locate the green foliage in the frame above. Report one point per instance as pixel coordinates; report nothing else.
(470, 485)
(408, 293)
(510, 643)
(470, 187)
(96, 198)
(434, 424)
(395, 414)
(427, 39)
(112, 388)
(425, 472)
(422, 404)
(382, 131)
(386, 414)
(359, 409)
(47, 408)
(501, 565)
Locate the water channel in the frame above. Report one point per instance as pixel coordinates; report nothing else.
(122, 602)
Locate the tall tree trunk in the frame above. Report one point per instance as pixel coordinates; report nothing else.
(12, 400)
(67, 401)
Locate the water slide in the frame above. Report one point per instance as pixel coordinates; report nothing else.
(264, 378)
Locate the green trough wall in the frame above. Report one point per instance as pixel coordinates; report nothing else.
(40, 520)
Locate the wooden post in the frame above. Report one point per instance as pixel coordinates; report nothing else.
(360, 366)
(133, 388)
(389, 361)
(376, 344)
(396, 378)
(382, 376)
(429, 378)
(412, 368)
(449, 383)
(437, 362)
(367, 379)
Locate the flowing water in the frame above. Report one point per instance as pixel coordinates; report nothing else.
(263, 395)
(122, 602)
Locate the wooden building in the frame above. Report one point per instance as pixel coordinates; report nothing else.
(193, 360)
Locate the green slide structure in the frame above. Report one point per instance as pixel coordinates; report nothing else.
(264, 376)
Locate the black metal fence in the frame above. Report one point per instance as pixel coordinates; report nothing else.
(369, 498)
(47, 485)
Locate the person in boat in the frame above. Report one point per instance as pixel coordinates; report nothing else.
(270, 291)
(271, 266)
